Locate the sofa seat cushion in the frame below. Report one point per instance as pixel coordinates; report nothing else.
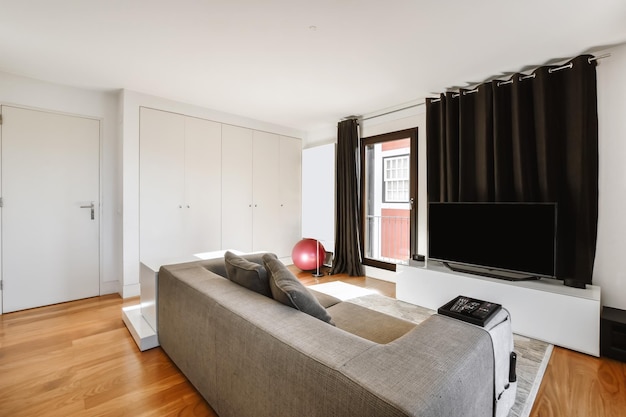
(288, 290)
(369, 324)
(247, 274)
(326, 300)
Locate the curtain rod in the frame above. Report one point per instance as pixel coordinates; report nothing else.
(521, 78)
(393, 111)
(595, 58)
(525, 77)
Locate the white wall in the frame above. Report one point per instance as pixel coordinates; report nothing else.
(130, 102)
(30, 93)
(610, 266)
(318, 202)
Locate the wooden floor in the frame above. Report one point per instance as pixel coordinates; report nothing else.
(78, 359)
(577, 385)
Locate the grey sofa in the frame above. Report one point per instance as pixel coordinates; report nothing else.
(251, 356)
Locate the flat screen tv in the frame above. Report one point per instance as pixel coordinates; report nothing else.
(512, 241)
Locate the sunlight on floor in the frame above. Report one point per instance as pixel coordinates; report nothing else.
(342, 290)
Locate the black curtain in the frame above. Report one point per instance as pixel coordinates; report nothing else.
(532, 138)
(347, 225)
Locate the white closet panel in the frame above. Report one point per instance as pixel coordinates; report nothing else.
(203, 185)
(290, 184)
(261, 182)
(265, 192)
(180, 183)
(237, 188)
(161, 179)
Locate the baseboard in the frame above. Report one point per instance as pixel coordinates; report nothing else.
(132, 290)
(382, 274)
(109, 287)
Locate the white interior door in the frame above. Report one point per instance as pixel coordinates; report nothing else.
(50, 214)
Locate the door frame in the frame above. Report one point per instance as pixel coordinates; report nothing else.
(100, 121)
(412, 135)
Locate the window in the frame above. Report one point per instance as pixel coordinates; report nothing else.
(396, 179)
(388, 190)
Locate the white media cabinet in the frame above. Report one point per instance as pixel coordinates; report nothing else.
(542, 309)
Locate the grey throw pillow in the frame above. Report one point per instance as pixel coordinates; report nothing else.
(247, 274)
(288, 290)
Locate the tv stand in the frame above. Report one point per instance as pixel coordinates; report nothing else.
(543, 309)
(487, 272)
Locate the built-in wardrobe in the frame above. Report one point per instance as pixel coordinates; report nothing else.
(207, 186)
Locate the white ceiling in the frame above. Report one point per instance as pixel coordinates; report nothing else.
(296, 63)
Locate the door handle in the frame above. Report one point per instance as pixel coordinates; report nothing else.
(92, 207)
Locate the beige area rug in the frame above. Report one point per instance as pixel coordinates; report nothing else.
(532, 355)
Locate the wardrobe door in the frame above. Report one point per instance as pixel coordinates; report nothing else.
(161, 184)
(266, 194)
(202, 206)
(236, 188)
(290, 185)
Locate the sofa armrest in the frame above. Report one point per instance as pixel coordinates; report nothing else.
(442, 367)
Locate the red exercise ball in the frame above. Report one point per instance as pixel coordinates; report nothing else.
(303, 254)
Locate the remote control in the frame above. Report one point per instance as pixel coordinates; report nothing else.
(512, 364)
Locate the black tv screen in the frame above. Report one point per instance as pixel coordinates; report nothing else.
(507, 237)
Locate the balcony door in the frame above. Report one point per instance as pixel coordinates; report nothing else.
(389, 198)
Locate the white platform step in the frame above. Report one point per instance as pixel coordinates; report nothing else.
(144, 335)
